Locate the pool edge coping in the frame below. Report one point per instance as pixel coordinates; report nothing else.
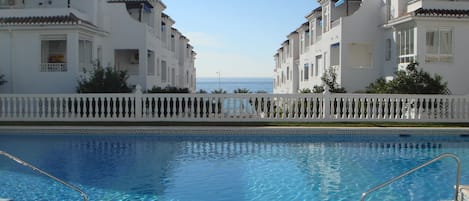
(233, 130)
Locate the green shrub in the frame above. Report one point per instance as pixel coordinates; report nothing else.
(2, 80)
(104, 80)
(329, 80)
(218, 91)
(169, 89)
(241, 91)
(410, 81)
(201, 91)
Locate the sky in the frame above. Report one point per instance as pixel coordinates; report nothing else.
(237, 38)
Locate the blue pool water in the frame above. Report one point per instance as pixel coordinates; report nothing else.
(231, 168)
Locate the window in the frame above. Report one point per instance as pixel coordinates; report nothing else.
(312, 69)
(158, 67)
(173, 43)
(439, 44)
(307, 38)
(405, 45)
(163, 71)
(288, 73)
(173, 76)
(301, 75)
(54, 54)
(7, 3)
(85, 54)
(306, 71)
(311, 32)
(387, 54)
(318, 63)
(325, 18)
(302, 44)
(163, 31)
(389, 14)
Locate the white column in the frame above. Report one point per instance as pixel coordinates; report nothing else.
(142, 68)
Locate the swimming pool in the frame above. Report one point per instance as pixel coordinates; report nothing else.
(230, 167)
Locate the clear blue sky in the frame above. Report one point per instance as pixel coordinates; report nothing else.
(237, 38)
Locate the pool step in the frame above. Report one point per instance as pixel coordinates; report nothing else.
(5, 199)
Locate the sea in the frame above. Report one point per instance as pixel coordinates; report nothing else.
(228, 84)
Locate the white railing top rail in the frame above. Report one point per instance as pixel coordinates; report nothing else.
(212, 107)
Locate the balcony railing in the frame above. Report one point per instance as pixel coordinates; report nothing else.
(140, 107)
(53, 67)
(336, 23)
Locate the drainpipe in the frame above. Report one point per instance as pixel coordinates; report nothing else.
(346, 4)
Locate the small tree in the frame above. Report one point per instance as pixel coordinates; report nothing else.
(318, 89)
(305, 91)
(103, 80)
(241, 91)
(168, 89)
(329, 79)
(2, 80)
(201, 91)
(218, 91)
(410, 81)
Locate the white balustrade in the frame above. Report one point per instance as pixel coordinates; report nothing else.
(53, 67)
(234, 107)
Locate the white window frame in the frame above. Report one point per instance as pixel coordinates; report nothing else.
(438, 56)
(306, 71)
(387, 53)
(405, 43)
(51, 62)
(164, 71)
(85, 57)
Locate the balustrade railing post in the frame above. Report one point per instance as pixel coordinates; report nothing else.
(138, 102)
(326, 110)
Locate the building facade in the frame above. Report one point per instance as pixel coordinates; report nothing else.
(363, 40)
(46, 46)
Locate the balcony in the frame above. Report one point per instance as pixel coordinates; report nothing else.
(53, 67)
(336, 23)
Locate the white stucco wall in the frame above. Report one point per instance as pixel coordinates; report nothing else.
(366, 20)
(116, 30)
(27, 77)
(5, 61)
(455, 72)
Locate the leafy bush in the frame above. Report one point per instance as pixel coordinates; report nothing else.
(318, 89)
(329, 80)
(201, 91)
(241, 91)
(104, 80)
(169, 89)
(2, 80)
(410, 81)
(305, 91)
(218, 91)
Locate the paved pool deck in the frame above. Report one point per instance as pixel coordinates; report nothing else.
(233, 130)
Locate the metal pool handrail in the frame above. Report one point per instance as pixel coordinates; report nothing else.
(24, 163)
(445, 155)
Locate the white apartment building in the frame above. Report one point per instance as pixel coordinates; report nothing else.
(364, 40)
(46, 45)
